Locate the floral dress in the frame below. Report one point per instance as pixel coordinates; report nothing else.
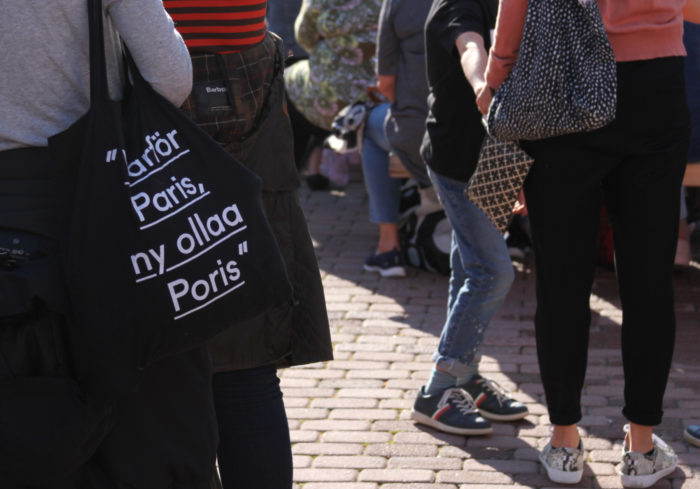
(340, 37)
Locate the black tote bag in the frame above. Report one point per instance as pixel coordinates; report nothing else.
(168, 243)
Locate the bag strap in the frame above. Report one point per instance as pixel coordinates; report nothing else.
(98, 65)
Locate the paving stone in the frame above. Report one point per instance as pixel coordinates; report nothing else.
(343, 402)
(404, 485)
(330, 475)
(370, 414)
(298, 436)
(430, 463)
(341, 485)
(401, 450)
(327, 449)
(403, 475)
(349, 462)
(365, 437)
(473, 477)
(336, 425)
(306, 413)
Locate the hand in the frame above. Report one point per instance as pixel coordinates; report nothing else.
(520, 206)
(484, 94)
(374, 94)
(386, 85)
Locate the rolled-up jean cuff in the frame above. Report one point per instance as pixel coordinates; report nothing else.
(453, 366)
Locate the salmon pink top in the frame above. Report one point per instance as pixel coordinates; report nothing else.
(637, 29)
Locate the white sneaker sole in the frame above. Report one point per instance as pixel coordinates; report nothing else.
(562, 476)
(691, 439)
(503, 417)
(641, 481)
(428, 421)
(387, 272)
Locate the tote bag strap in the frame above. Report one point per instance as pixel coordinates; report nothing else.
(98, 65)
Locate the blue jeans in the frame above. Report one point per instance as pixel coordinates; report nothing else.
(254, 445)
(482, 274)
(384, 191)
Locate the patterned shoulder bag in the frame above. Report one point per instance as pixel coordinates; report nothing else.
(564, 80)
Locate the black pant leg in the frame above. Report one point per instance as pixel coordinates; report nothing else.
(563, 199)
(642, 200)
(254, 449)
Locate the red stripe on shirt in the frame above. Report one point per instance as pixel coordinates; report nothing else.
(210, 25)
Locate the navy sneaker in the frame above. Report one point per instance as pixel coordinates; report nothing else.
(692, 434)
(389, 264)
(451, 411)
(492, 401)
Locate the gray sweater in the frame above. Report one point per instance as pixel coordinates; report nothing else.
(401, 52)
(44, 79)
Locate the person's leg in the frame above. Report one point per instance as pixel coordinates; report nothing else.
(481, 277)
(642, 199)
(487, 275)
(383, 190)
(384, 195)
(254, 444)
(563, 198)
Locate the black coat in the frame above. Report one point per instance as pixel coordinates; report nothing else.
(298, 332)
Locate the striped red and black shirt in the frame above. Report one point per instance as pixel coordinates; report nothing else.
(219, 26)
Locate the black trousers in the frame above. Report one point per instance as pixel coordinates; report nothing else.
(254, 446)
(635, 165)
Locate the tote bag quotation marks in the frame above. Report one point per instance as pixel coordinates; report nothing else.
(168, 243)
(564, 79)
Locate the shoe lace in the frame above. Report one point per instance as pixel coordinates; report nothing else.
(495, 389)
(460, 399)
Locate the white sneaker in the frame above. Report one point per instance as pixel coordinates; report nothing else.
(564, 465)
(644, 469)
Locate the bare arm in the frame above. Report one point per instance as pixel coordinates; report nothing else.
(473, 57)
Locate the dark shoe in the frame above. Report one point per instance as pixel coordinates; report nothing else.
(389, 264)
(492, 401)
(692, 434)
(318, 182)
(451, 411)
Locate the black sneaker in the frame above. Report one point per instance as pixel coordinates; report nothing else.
(389, 264)
(692, 434)
(451, 411)
(492, 401)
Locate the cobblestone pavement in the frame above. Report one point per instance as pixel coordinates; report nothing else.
(349, 418)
